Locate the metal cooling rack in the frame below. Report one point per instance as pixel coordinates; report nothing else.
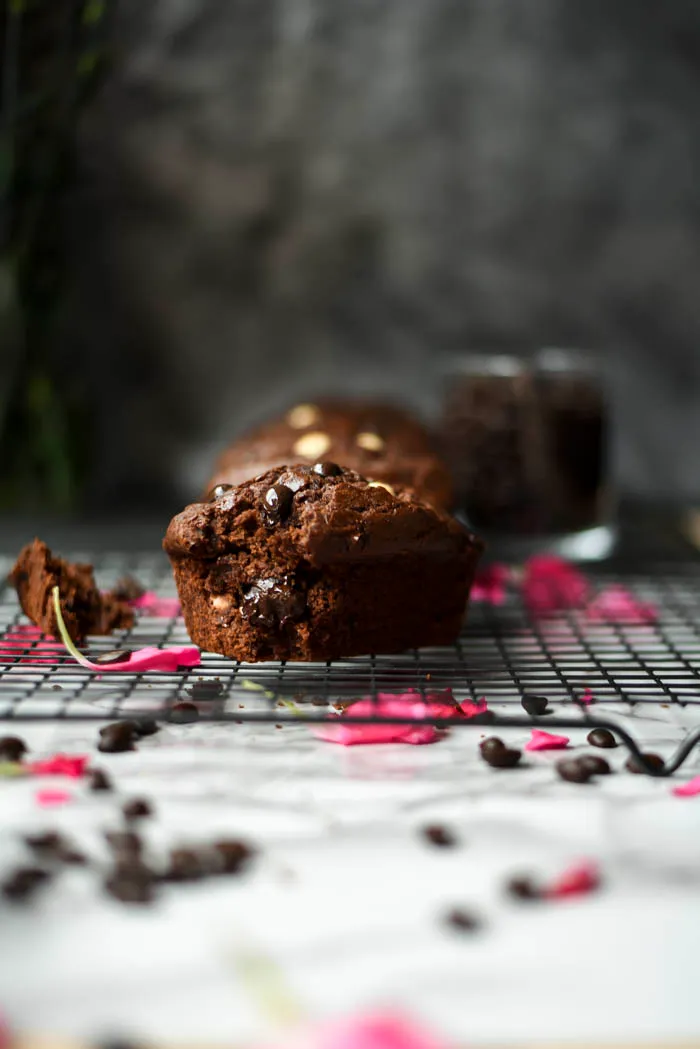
(502, 654)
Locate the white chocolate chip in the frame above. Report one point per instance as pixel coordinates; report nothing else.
(221, 603)
(381, 484)
(311, 445)
(371, 442)
(302, 415)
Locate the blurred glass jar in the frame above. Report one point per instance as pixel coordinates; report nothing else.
(527, 439)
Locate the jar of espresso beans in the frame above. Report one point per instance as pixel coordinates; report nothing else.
(527, 438)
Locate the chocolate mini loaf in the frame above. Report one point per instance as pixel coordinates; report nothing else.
(315, 563)
(379, 441)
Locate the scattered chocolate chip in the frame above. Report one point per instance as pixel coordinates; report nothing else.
(98, 780)
(595, 765)
(523, 888)
(12, 748)
(278, 503)
(44, 843)
(187, 865)
(136, 809)
(217, 491)
(116, 655)
(127, 589)
(632, 765)
(496, 754)
(183, 713)
(205, 690)
(573, 770)
(439, 835)
(601, 737)
(131, 882)
(462, 920)
(24, 882)
(534, 705)
(125, 844)
(327, 469)
(72, 856)
(232, 855)
(56, 688)
(116, 737)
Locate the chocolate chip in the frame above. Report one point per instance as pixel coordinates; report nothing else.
(183, 713)
(595, 765)
(205, 690)
(12, 748)
(24, 882)
(136, 809)
(131, 883)
(462, 920)
(116, 738)
(186, 865)
(601, 737)
(98, 780)
(496, 754)
(523, 888)
(534, 704)
(273, 602)
(125, 844)
(217, 491)
(127, 589)
(44, 843)
(439, 835)
(327, 469)
(116, 655)
(278, 503)
(573, 770)
(632, 765)
(232, 855)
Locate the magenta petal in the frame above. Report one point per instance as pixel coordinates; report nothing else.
(586, 697)
(390, 705)
(546, 741)
(72, 765)
(151, 605)
(687, 790)
(150, 658)
(615, 604)
(551, 584)
(373, 1032)
(577, 880)
(470, 709)
(48, 798)
(490, 583)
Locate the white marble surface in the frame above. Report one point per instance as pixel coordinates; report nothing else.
(347, 898)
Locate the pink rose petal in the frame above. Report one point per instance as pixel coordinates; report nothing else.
(367, 1032)
(687, 790)
(150, 658)
(151, 605)
(577, 880)
(72, 765)
(48, 798)
(615, 604)
(551, 584)
(586, 697)
(26, 644)
(490, 583)
(546, 741)
(390, 705)
(470, 710)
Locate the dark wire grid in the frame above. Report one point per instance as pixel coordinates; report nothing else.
(502, 654)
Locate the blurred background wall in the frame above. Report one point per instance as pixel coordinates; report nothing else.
(275, 197)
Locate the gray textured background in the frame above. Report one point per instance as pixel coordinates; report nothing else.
(279, 196)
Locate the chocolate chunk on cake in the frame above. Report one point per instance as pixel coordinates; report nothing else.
(85, 609)
(315, 563)
(379, 441)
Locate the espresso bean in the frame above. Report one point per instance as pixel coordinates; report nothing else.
(98, 780)
(144, 727)
(534, 705)
(462, 920)
(573, 770)
(12, 748)
(497, 755)
(278, 503)
(327, 469)
(232, 855)
(438, 835)
(136, 809)
(601, 737)
(184, 713)
(131, 882)
(125, 844)
(217, 491)
(187, 865)
(23, 883)
(523, 888)
(116, 738)
(116, 655)
(632, 765)
(595, 765)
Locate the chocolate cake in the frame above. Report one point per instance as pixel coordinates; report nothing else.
(379, 441)
(85, 610)
(316, 563)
